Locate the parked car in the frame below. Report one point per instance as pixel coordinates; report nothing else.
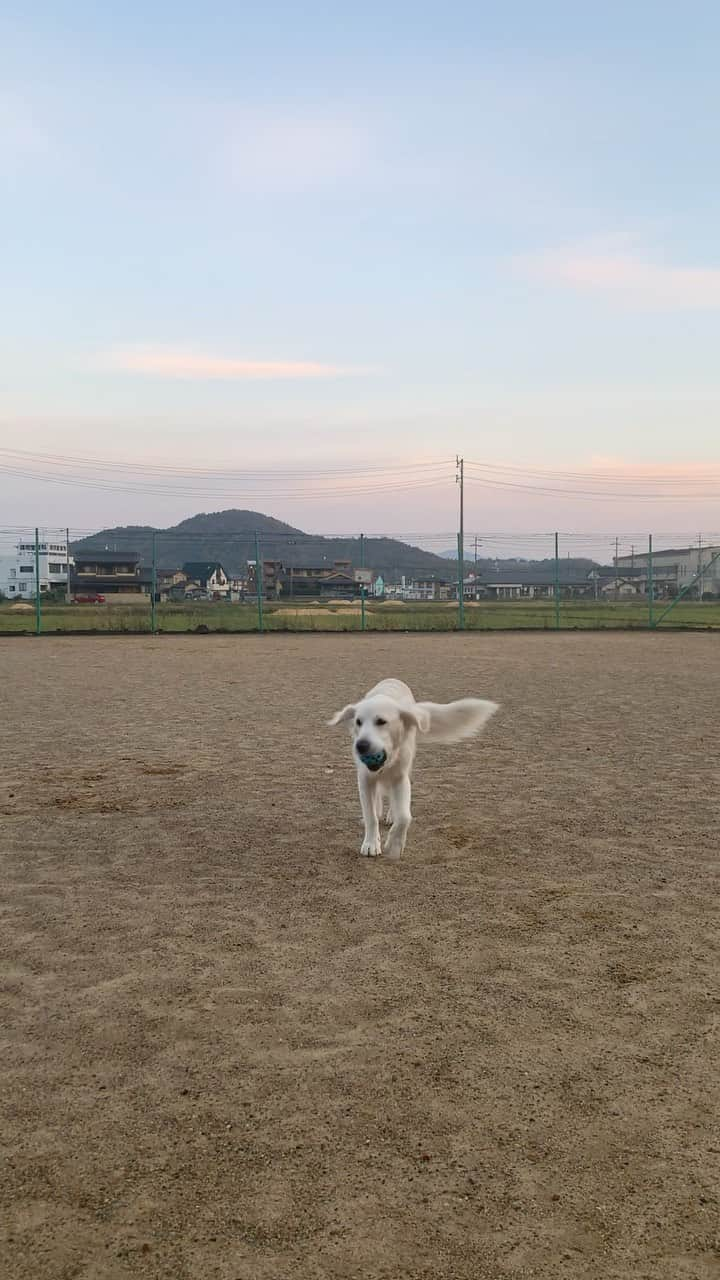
(90, 598)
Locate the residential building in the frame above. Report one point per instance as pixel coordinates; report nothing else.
(109, 573)
(531, 582)
(430, 588)
(17, 571)
(271, 571)
(168, 578)
(692, 570)
(210, 577)
(334, 578)
(611, 582)
(337, 579)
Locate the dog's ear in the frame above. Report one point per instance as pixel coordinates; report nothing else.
(415, 717)
(342, 717)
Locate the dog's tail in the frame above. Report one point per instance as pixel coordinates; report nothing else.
(452, 721)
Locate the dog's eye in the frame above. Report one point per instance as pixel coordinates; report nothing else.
(358, 722)
(380, 722)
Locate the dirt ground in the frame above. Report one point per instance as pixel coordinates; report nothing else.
(231, 1048)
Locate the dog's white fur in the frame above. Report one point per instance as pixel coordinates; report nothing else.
(389, 719)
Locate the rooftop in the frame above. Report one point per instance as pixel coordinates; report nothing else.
(106, 557)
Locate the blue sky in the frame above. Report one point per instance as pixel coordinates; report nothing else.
(310, 235)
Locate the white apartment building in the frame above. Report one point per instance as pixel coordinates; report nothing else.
(674, 570)
(17, 572)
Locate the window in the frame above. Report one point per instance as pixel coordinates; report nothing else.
(56, 568)
(26, 568)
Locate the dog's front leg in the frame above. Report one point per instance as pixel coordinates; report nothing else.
(400, 797)
(370, 847)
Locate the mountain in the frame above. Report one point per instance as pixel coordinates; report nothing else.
(229, 537)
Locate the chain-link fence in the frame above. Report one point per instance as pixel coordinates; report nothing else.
(210, 579)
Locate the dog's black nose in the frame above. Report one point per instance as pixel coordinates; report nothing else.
(362, 746)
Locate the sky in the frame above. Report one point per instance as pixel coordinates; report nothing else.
(260, 238)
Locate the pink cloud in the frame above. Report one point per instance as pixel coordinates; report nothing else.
(629, 277)
(162, 363)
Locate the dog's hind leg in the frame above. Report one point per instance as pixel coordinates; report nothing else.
(382, 796)
(400, 797)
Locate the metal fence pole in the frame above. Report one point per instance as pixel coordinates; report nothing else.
(651, 585)
(259, 585)
(556, 587)
(362, 583)
(153, 587)
(38, 609)
(67, 567)
(461, 596)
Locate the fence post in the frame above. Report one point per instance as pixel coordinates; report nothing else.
(556, 587)
(651, 585)
(153, 587)
(362, 583)
(461, 596)
(68, 597)
(38, 610)
(259, 585)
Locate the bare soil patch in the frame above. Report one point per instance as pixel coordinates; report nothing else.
(233, 1049)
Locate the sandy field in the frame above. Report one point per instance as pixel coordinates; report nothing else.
(231, 1049)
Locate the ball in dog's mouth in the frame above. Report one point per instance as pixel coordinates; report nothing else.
(375, 761)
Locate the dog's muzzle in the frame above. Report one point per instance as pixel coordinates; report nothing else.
(375, 761)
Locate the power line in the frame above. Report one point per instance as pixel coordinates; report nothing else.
(189, 471)
(599, 474)
(297, 494)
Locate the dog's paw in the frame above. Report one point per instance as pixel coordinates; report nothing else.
(388, 819)
(394, 847)
(370, 848)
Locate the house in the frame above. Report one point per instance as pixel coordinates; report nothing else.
(430, 588)
(337, 578)
(532, 582)
(210, 577)
(109, 573)
(166, 579)
(337, 581)
(170, 584)
(611, 583)
(271, 571)
(674, 569)
(17, 571)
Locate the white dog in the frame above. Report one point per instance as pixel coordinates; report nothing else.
(384, 727)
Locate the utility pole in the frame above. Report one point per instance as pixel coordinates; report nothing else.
(38, 614)
(701, 584)
(460, 479)
(362, 582)
(477, 592)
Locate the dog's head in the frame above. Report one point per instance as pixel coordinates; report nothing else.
(379, 726)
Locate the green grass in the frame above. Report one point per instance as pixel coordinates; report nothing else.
(305, 616)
